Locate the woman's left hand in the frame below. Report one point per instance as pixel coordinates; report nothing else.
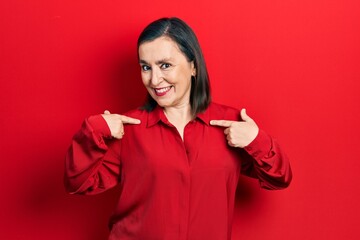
(238, 134)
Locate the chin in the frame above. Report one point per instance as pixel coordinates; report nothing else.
(163, 104)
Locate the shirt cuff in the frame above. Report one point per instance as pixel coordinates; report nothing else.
(99, 126)
(260, 146)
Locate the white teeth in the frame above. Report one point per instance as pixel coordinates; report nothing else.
(162, 90)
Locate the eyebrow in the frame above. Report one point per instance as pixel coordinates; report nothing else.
(164, 60)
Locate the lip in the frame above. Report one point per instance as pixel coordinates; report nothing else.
(162, 91)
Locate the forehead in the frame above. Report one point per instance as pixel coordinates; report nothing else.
(160, 48)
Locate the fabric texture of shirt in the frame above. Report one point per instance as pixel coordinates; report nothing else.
(171, 188)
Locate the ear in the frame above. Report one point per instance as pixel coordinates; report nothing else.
(193, 69)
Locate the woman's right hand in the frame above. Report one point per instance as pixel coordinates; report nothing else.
(116, 123)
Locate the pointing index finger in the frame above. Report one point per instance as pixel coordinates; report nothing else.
(129, 120)
(221, 123)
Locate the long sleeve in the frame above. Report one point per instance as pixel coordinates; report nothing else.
(264, 159)
(92, 162)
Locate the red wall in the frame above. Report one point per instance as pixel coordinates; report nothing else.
(295, 66)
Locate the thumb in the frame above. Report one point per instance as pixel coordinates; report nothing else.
(106, 112)
(244, 116)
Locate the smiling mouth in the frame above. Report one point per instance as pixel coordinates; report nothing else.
(162, 91)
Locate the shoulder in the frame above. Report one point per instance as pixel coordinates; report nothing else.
(221, 111)
(137, 113)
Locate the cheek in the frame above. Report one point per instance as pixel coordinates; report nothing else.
(178, 77)
(186, 73)
(186, 79)
(144, 78)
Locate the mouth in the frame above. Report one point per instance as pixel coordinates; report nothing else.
(162, 91)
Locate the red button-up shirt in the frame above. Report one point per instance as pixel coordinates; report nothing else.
(171, 189)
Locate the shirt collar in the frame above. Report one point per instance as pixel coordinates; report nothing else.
(157, 114)
(204, 116)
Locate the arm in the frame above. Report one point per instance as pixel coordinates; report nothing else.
(92, 162)
(263, 157)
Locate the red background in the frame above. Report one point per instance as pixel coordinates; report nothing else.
(294, 64)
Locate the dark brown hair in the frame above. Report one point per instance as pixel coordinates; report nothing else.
(185, 38)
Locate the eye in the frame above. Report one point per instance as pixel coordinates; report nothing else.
(145, 68)
(165, 65)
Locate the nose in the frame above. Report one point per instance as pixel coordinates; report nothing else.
(156, 76)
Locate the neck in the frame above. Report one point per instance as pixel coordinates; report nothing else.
(179, 114)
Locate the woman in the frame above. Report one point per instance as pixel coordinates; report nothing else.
(177, 159)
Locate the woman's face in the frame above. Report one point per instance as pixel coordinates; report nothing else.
(165, 72)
